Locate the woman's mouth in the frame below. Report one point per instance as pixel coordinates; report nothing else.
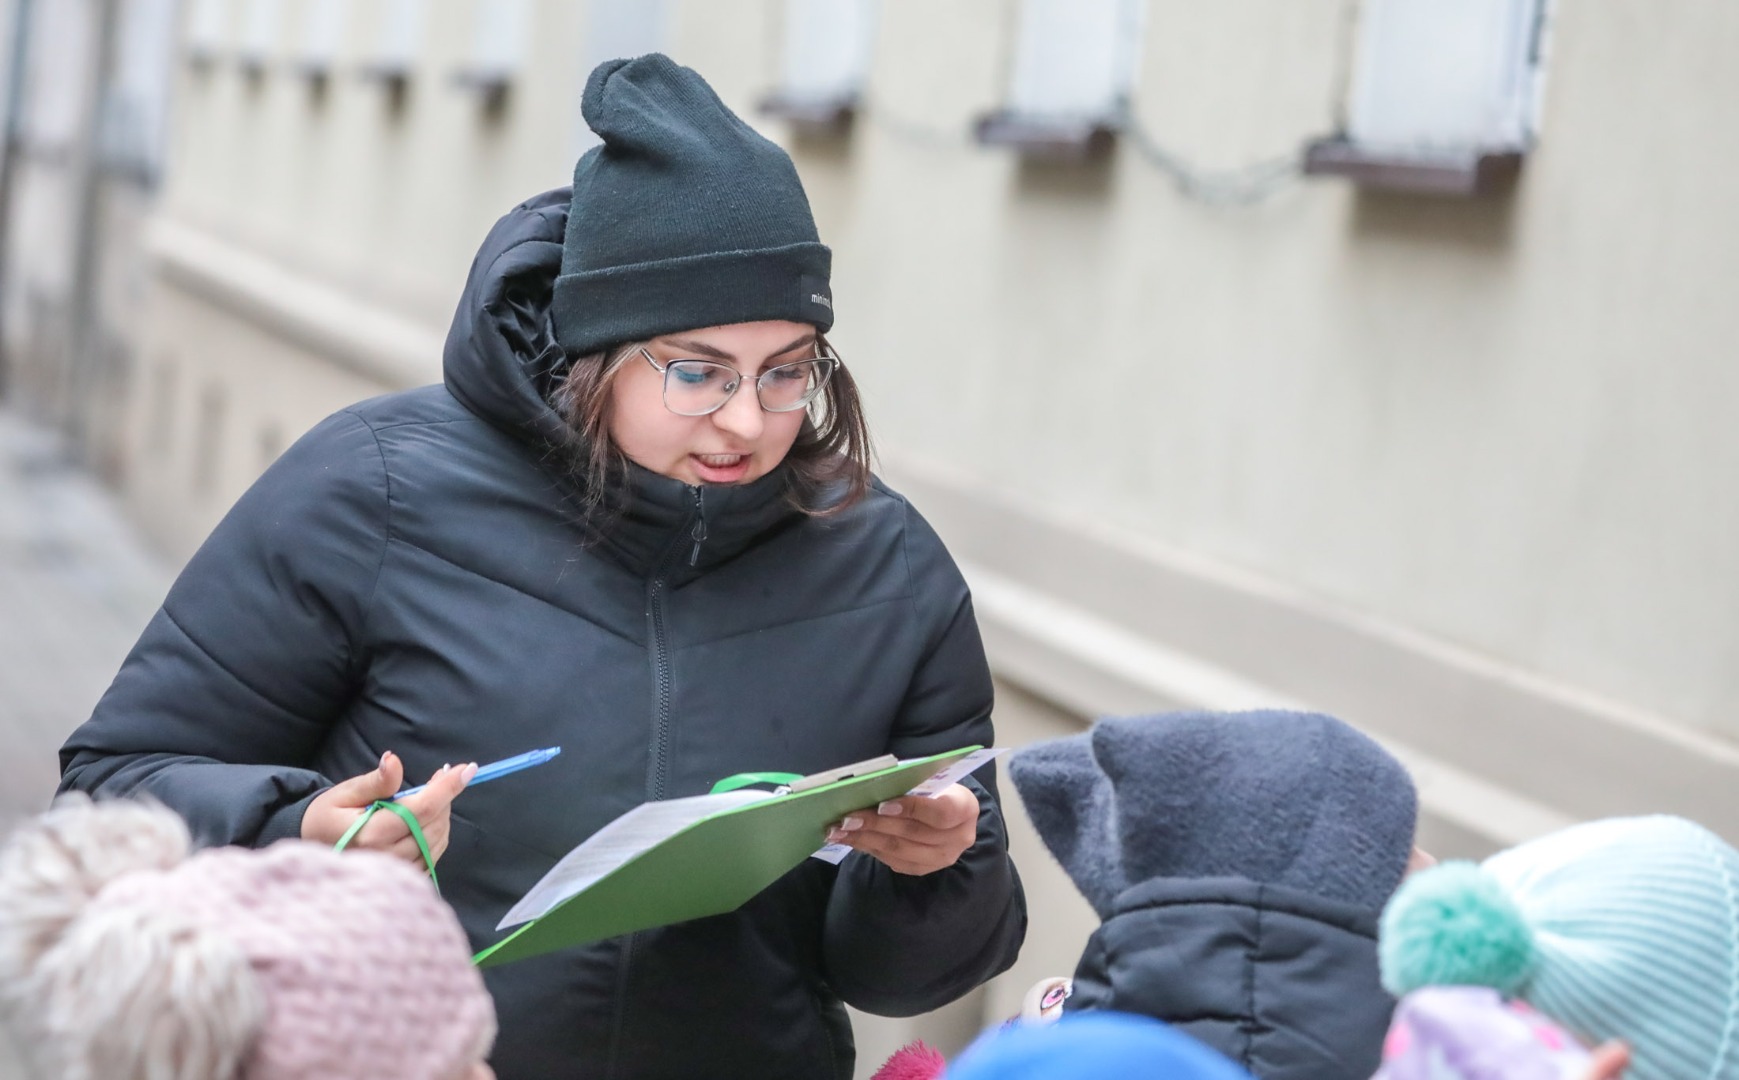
(720, 468)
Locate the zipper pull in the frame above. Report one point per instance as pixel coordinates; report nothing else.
(698, 533)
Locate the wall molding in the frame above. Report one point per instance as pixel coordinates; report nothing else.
(1103, 623)
(357, 335)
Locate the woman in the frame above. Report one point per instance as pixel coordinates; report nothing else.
(636, 522)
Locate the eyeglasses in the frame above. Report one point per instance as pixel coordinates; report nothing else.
(700, 387)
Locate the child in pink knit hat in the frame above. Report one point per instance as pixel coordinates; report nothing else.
(124, 957)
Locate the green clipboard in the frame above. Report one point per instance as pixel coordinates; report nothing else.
(712, 865)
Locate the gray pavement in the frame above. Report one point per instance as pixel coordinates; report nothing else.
(77, 584)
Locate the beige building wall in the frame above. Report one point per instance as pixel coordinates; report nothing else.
(1458, 470)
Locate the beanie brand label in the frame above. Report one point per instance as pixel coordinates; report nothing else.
(814, 291)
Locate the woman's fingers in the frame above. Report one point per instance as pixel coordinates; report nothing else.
(913, 835)
(387, 832)
(438, 794)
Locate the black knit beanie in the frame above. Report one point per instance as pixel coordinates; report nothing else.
(683, 217)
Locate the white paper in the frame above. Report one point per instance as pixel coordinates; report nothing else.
(640, 829)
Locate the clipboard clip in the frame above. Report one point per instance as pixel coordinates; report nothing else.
(843, 772)
(791, 783)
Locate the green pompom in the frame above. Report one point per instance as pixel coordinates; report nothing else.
(1453, 925)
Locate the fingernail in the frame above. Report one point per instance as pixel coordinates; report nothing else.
(890, 809)
(834, 836)
(470, 771)
(384, 758)
(851, 824)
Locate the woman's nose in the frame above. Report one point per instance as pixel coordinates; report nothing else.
(741, 415)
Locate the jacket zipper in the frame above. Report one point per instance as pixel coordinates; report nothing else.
(657, 766)
(698, 533)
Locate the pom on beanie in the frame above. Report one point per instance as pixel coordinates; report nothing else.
(1454, 925)
(53, 866)
(914, 1061)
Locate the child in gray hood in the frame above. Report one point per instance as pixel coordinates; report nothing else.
(1238, 863)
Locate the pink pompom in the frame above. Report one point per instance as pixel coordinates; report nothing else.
(913, 1062)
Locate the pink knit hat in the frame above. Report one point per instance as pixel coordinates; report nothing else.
(294, 962)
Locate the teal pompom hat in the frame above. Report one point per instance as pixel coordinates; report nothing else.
(1626, 928)
(683, 217)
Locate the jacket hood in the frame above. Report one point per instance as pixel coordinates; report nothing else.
(1281, 981)
(501, 352)
(500, 359)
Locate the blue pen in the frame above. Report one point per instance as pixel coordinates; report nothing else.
(498, 768)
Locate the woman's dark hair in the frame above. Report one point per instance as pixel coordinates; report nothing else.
(829, 463)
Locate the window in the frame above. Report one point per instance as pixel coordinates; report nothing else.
(824, 64)
(55, 87)
(260, 23)
(322, 31)
(207, 30)
(399, 37)
(135, 116)
(1445, 94)
(1069, 80)
(619, 28)
(498, 41)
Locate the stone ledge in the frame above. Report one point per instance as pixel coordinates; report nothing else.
(356, 335)
(1106, 623)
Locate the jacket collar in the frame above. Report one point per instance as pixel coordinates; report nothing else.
(1282, 981)
(662, 527)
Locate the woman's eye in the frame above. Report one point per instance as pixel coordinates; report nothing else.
(693, 374)
(791, 373)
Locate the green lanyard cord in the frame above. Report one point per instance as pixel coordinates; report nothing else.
(744, 779)
(410, 821)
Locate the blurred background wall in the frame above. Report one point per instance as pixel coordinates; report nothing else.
(1363, 355)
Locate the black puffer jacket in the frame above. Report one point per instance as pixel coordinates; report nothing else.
(409, 576)
(1282, 982)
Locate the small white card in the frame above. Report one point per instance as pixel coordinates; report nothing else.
(929, 789)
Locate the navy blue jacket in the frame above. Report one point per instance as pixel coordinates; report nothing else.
(412, 575)
(1283, 982)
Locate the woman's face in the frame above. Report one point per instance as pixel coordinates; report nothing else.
(734, 445)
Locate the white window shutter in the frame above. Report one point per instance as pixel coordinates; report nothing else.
(499, 37)
(1074, 59)
(1447, 76)
(401, 36)
(208, 28)
(322, 33)
(261, 24)
(827, 50)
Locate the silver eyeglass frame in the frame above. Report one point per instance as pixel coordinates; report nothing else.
(830, 362)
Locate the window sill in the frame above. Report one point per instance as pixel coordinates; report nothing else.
(812, 117)
(1463, 175)
(490, 85)
(1047, 138)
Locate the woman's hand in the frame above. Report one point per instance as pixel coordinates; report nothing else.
(337, 808)
(913, 834)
